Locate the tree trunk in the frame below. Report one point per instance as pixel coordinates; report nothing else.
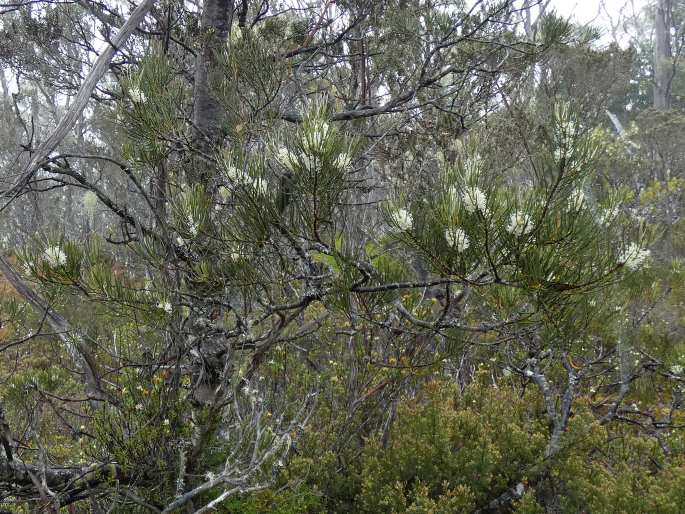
(663, 65)
(208, 119)
(208, 113)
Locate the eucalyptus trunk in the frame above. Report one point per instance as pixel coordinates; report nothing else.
(208, 113)
(663, 58)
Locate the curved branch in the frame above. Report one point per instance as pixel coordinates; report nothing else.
(80, 101)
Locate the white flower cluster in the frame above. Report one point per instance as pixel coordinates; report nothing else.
(316, 137)
(193, 225)
(607, 215)
(559, 153)
(290, 160)
(566, 132)
(165, 306)
(260, 185)
(457, 238)
(475, 200)
(136, 95)
(236, 175)
(520, 224)
(55, 256)
(677, 369)
(403, 219)
(472, 167)
(343, 161)
(286, 158)
(634, 257)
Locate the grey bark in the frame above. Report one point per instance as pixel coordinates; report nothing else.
(663, 65)
(208, 119)
(208, 351)
(208, 113)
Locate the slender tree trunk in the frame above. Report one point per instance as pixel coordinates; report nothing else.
(663, 65)
(208, 113)
(209, 117)
(34, 198)
(69, 211)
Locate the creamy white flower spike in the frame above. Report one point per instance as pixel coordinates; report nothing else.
(634, 257)
(193, 226)
(475, 200)
(566, 132)
(55, 256)
(519, 224)
(457, 238)
(677, 369)
(286, 158)
(165, 306)
(236, 175)
(403, 219)
(136, 95)
(576, 199)
(607, 215)
(343, 161)
(314, 140)
(472, 167)
(308, 162)
(260, 185)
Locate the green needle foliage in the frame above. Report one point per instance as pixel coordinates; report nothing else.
(375, 257)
